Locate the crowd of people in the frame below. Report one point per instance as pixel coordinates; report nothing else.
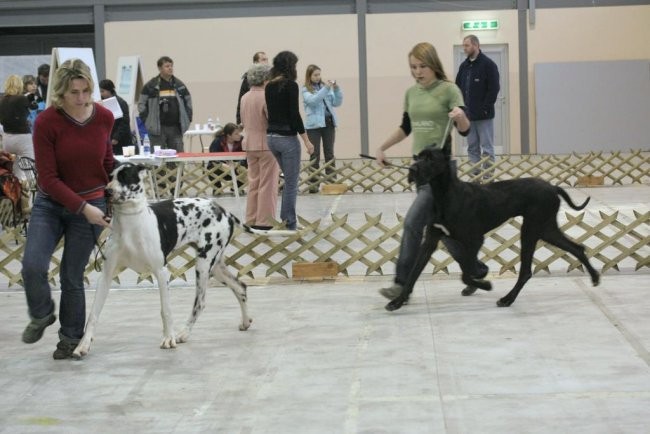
(74, 141)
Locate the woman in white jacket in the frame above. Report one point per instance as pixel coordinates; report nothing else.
(319, 100)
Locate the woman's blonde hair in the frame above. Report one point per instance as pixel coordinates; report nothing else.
(68, 71)
(427, 54)
(14, 85)
(308, 73)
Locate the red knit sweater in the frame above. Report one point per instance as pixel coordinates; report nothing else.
(73, 159)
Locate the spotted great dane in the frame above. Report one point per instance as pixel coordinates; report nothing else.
(144, 234)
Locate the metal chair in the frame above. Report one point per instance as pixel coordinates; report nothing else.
(28, 166)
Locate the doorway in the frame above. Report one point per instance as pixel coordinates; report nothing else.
(499, 54)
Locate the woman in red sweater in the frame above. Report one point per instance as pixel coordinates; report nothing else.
(73, 159)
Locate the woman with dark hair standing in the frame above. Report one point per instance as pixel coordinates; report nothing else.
(121, 134)
(285, 124)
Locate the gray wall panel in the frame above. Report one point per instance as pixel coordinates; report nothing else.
(592, 106)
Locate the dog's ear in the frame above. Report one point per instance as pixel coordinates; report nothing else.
(142, 171)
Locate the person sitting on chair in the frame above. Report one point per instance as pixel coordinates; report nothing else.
(228, 139)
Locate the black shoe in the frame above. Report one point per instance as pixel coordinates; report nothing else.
(469, 290)
(64, 349)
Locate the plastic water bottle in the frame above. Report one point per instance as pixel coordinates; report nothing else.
(146, 146)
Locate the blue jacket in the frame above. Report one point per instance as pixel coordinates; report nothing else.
(315, 109)
(479, 83)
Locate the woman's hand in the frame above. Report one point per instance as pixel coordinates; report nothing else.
(379, 155)
(95, 216)
(457, 114)
(459, 117)
(309, 146)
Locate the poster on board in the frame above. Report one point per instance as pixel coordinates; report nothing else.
(61, 54)
(129, 78)
(128, 86)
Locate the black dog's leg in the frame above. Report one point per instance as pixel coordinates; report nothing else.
(429, 245)
(554, 236)
(529, 237)
(465, 252)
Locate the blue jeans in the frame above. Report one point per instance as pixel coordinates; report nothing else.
(419, 215)
(286, 149)
(49, 223)
(480, 141)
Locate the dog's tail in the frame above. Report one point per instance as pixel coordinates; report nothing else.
(268, 232)
(568, 200)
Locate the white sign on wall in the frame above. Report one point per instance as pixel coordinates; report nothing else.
(129, 78)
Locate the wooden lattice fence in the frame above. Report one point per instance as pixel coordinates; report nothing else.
(614, 241)
(616, 168)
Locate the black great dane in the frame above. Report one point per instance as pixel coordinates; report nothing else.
(465, 212)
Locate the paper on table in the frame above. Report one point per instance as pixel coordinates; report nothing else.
(114, 106)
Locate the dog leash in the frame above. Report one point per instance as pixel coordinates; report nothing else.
(447, 131)
(387, 163)
(108, 215)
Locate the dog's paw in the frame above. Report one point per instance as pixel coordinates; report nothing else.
(485, 285)
(246, 324)
(488, 285)
(83, 348)
(168, 342)
(468, 290)
(183, 336)
(504, 302)
(595, 280)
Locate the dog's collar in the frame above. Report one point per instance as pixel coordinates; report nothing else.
(125, 210)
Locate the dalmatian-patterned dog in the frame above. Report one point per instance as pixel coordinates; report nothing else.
(142, 237)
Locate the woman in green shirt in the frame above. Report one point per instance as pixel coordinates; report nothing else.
(428, 106)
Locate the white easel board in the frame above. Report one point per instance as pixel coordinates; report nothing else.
(129, 78)
(61, 54)
(129, 81)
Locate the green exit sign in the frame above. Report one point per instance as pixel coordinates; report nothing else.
(481, 25)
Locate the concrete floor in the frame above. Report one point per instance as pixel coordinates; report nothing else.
(325, 357)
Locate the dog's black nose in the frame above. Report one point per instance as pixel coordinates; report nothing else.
(108, 192)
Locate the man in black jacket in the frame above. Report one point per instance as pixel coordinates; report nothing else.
(478, 79)
(259, 57)
(165, 106)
